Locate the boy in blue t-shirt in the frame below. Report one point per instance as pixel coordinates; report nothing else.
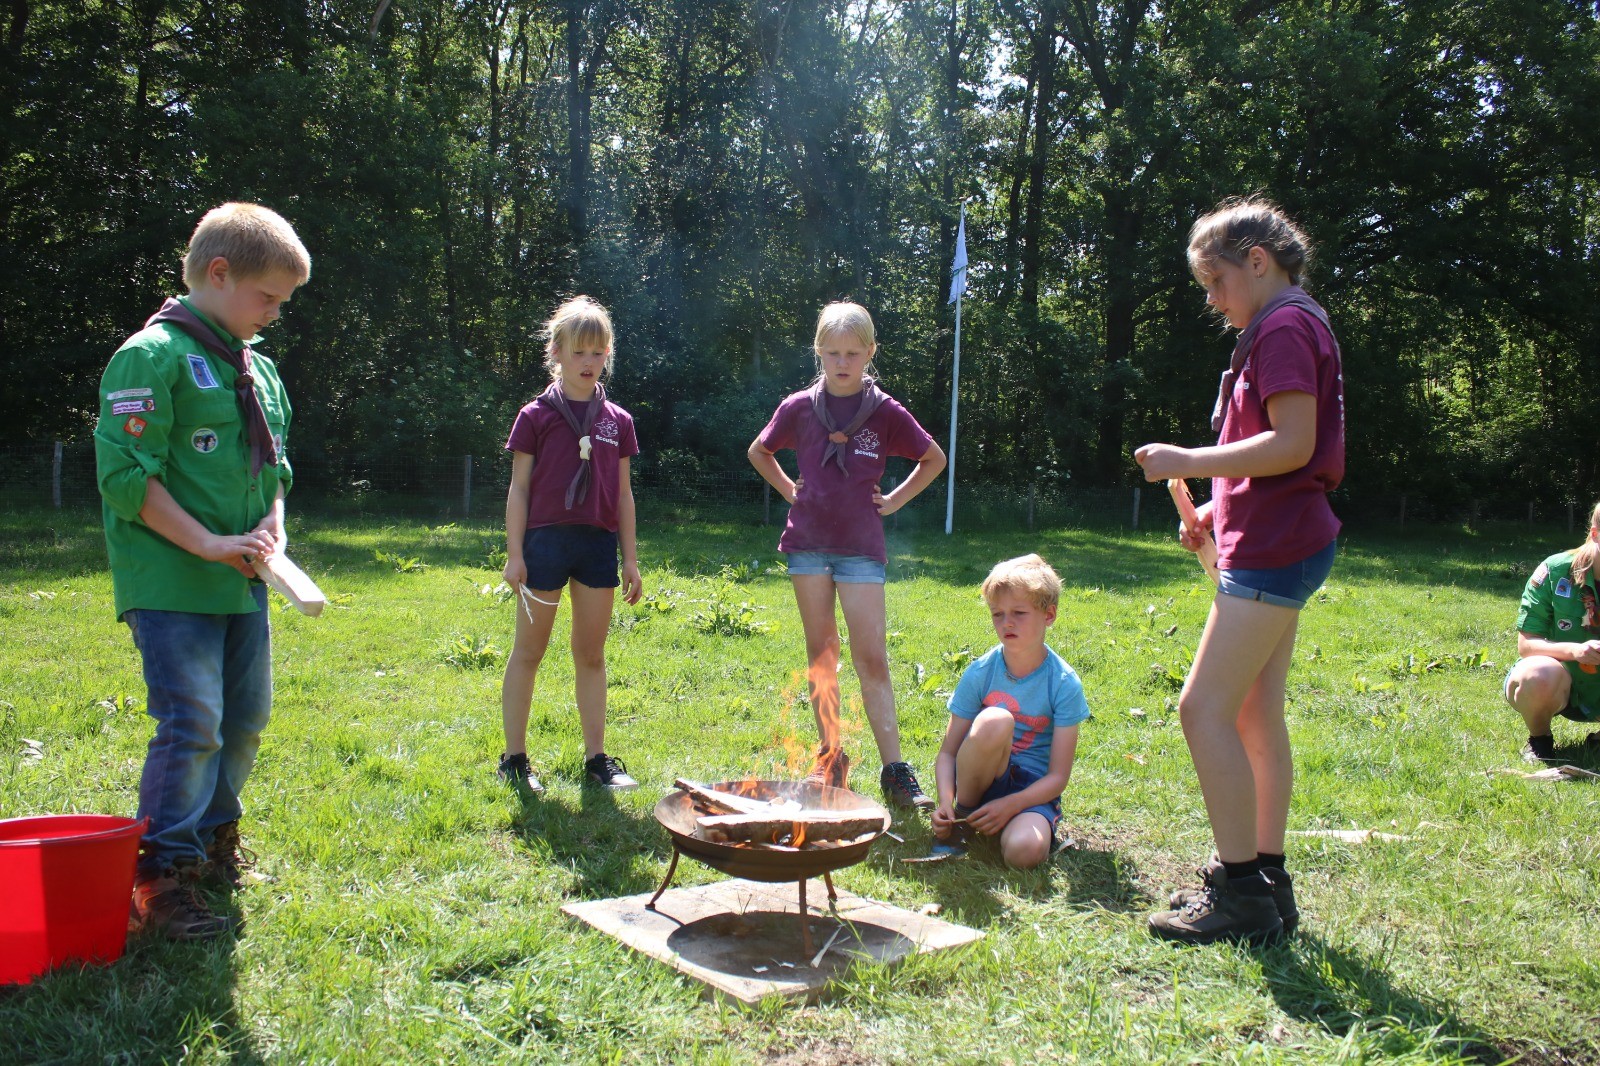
(1007, 753)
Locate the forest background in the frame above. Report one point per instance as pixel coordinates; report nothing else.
(715, 170)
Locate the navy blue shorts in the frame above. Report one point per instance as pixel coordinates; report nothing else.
(585, 554)
(1014, 780)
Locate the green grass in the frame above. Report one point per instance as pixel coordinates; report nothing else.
(415, 909)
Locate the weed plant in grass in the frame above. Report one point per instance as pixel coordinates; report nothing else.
(414, 911)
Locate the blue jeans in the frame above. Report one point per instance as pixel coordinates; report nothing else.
(209, 678)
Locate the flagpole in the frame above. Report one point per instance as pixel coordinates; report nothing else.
(958, 287)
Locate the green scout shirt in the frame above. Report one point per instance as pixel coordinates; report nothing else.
(168, 411)
(1556, 608)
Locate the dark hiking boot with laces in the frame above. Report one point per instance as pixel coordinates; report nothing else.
(1282, 893)
(169, 905)
(831, 767)
(516, 771)
(900, 785)
(1220, 911)
(229, 861)
(602, 769)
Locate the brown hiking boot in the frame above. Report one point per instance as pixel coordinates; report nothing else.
(1218, 911)
(1282, 893)
(169, 905)
(831, 767)
(230, 861)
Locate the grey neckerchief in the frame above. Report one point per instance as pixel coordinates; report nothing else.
(872, 398)
(1293, 296)
(579, 489)
(262, 449)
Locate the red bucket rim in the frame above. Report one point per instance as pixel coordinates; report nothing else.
(124, 827)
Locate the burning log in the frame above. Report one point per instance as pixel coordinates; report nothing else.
(801, 827)
(729, 802)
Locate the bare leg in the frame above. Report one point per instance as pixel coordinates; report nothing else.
(1025, 841)
(864, 616)
(813, 594)
(984, 755)
(1240, 638)
(1538, 687)
(591, 619)
(522, 666)
(1266, 745)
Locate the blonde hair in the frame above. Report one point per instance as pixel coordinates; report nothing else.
(1028, 575)
(846, 318)
(1236, 226)
(1583, 559)
(577, 323)
(255, 241)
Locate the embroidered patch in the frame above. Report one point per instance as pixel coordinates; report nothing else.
(204, 440)
(128, 407)
(866, 443)
(1564, 589)
(135, 426)
(1563, 624)
(128, 394)
(200, 370)
(1539, 574)
(277, 444)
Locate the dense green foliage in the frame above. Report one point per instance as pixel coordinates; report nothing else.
(716, 169)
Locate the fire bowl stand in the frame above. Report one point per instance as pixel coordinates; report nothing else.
(805, 915)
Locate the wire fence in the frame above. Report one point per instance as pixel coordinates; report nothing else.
(473, 488)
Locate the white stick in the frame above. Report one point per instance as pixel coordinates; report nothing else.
(291, 583)
(817, 959)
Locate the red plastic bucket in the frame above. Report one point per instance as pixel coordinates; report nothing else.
(66, 880)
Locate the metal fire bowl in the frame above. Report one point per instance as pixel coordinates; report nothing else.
(677, 815)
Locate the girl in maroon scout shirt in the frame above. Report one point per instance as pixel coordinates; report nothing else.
(568, 511)
(1280, 452)
(843, 429)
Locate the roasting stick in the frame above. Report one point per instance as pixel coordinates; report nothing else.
(291, 583)
(1191, 522)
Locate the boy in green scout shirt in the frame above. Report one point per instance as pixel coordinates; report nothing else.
(192, 472)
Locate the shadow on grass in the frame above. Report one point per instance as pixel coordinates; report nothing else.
(599, 841)
(161, 1002)
(1344, 991)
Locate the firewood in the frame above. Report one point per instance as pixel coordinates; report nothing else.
(818, 825)
(728, 801)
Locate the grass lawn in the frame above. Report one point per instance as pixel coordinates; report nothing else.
(414, 911)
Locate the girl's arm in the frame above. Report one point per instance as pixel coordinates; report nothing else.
(766, 464)
(627, 538)
(516, 570)
(1287, 446)
(944, 775)
(928, 467)
(1586, 652)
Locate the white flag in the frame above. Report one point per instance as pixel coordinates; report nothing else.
(958, 269)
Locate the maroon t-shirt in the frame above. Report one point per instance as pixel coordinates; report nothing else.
(1267, 522)
(835, 512)
(541, 432)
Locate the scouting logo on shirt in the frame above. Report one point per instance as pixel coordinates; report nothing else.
(607, 430)
(204, 440)
(867, 444)
(200, 370)
(1563, 624)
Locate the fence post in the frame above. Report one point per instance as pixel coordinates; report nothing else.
(1033, 490)
(1136, 507)
(1530, 512)
(55, 477)
(1472, 519)
(1402, 510)
(466, 487)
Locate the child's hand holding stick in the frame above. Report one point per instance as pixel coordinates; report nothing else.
(1179, 488)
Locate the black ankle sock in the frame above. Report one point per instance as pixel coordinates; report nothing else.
(1271, 862)
(1238, 871)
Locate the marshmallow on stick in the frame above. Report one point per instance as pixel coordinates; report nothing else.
(291, 583)
(1191, 522)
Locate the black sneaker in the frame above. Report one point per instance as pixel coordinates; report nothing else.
(604, 770)
(1282, 892)
(1219, 911)
(899, 784)
(516, 772)
(1540, 750)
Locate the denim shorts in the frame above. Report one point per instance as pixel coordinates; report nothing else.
(1014, 780)
(1285, 586)
(585, 554)
(844, 569)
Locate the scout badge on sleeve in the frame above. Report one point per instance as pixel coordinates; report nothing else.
(291, 583)
(1191, 522)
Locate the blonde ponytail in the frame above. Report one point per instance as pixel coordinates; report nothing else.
(1583, 558)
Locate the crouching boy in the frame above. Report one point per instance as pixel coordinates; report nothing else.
(190, 455)
(1007, 753)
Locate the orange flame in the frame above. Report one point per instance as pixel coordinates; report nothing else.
(822, 678)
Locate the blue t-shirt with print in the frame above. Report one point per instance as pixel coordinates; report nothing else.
(1045, 700)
